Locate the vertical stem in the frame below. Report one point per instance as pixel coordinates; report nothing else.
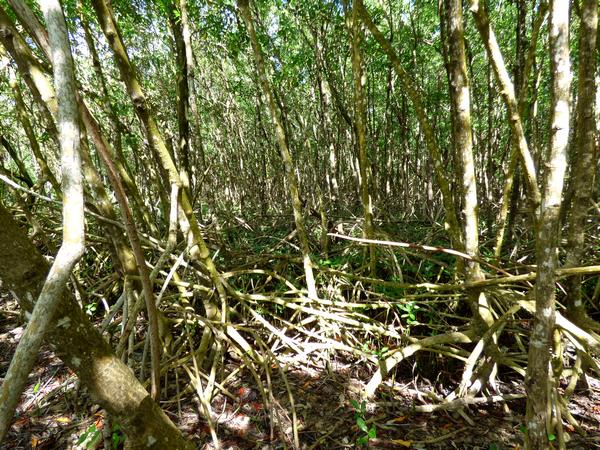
(360, 117)
(286, 156)
(537, 380)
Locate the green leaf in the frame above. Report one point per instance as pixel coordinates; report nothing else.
(551, 437)
(362, 425)
(91, 429)
(523, 429)
(363, 440)
(372, 433)
(117, 439)
(355, 405)
(82, 438)
(36, 388)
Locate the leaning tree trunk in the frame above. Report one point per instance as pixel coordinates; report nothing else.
(507, 89)
(83, 349)
(428, 133)
(73, 244)
(537, 380)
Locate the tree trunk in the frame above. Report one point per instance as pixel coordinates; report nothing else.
(584, 162)
(282, 141)
(75, 340)
(488, 36)
(73, 244)
(537, 380)
(430, 139)
(463, 147)
(360, 119)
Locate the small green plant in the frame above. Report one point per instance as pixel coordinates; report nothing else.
(90, 308)
(410, 312)
(370, 349)
(360, 411)
(117, 436)
(90, 437)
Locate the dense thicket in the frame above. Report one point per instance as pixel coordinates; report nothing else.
(366, 178)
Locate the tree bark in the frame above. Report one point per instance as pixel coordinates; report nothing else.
(460, 99)
(183, 96)
(488, 37)
(429, 135)
(282, 141)
(73, 244)
(537, 380)
(584, 162)
(360, 118)
(75, 340)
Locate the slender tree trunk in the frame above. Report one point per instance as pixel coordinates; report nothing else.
(73, 244)
(463, 146)
(360, 119)
(191, 74)
(429, 135)
(282, 141)
(139, 209)
(537, 380)
(25, 176)
(183, 96)
(488, 36)
(584, 162)
(46, 173)
(512, 176)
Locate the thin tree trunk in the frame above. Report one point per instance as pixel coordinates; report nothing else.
(430, 140)
(463, 146)
(191, 74)
(507, 90)
(183, 97)
(509, 182)
(197, 244)
(282, 141)
(46, 173)
(584, 162)
(73, 244)
(23, 172)
(360, 119)
(139, 209)
(537, 380)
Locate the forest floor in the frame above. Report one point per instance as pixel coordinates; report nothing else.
(54, 413)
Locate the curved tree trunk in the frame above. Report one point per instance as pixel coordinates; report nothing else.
(430, 140)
